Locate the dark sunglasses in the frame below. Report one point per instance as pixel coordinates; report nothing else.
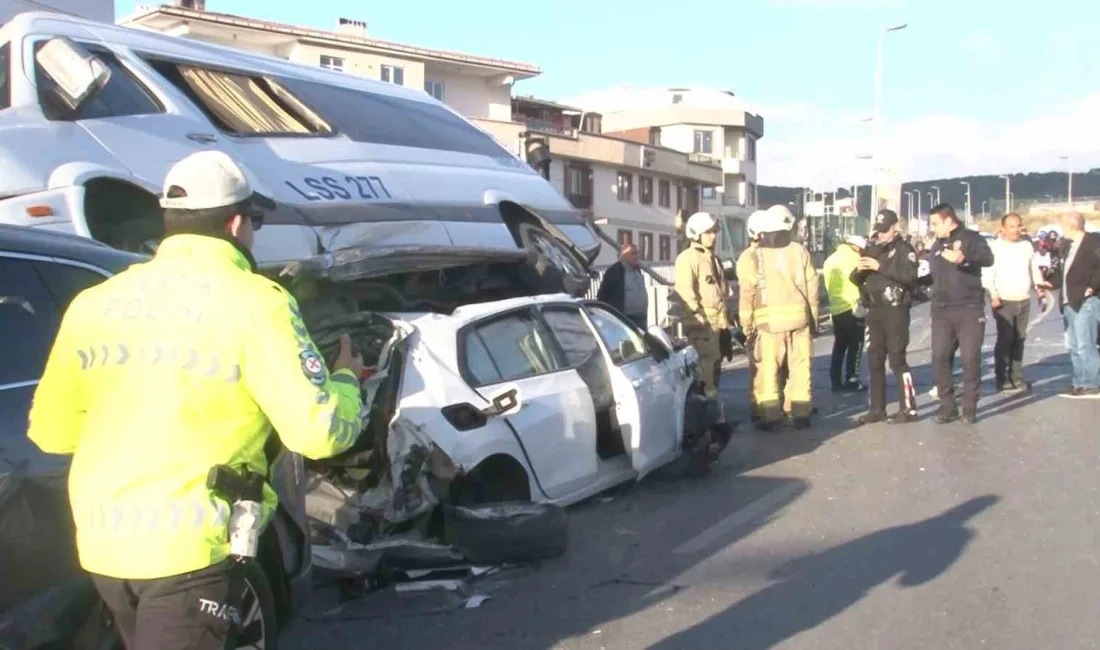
(256, 217)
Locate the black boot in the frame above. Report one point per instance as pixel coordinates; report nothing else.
(871, 417)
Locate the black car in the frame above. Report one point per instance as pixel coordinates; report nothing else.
(46, 601)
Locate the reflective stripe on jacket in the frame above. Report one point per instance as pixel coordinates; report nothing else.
(702, 288)
(838, 268)
(778, 288)
(160, 373)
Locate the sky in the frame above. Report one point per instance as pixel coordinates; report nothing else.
(970, 86)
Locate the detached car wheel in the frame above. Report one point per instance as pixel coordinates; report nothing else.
(259, 618)
(553, 267)
(507, 533)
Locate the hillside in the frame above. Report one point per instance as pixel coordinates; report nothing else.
(1026, 188)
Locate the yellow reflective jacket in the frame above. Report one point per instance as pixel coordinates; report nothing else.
(702, 288)
(777, 288)
(838, 268)
(160, 373)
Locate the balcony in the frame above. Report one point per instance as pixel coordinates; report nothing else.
(609, 150)
(543, 126)
(736, 166)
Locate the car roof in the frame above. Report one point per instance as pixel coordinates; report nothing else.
(469, 313)
(47, 243)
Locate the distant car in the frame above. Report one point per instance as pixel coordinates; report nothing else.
(46, 600)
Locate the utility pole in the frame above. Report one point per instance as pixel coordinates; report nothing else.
(1008, 193)
(984, 217)
(877, 155)
(1069, 170)
(969, 212)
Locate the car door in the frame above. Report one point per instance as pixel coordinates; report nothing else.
(37, 550)
(556, 424)
(647, 406)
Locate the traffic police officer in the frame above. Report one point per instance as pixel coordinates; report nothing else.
(886, 275)
(778, 305)
(702, 288)
(165, 372)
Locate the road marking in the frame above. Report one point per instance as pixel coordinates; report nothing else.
(748, 514)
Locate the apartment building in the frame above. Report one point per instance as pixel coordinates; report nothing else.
(704, 123)
(476, 86)
(101, 10)
(633, 191)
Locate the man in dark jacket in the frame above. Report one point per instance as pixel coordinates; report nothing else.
(886, 274)
(1080, 285)
(958, 310)
(623, 287)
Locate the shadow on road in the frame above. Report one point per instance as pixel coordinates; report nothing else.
(814, 588)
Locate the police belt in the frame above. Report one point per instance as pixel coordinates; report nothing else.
(879, 299)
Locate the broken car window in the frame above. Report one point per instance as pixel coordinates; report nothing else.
(517, 346)
(242, 104)
(572, 333)
(613, 330)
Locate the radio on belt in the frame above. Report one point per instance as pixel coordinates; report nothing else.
(244, 491)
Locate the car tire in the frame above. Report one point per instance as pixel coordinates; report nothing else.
(507, 533)
(552, 266)
(259, 615)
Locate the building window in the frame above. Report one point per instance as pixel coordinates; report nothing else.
(646, 248)
(645, 190)
(578, 185)
(434, 88)
(625, 237)
(332, 63)
(664, 243)
(750, 194)
(664, 194)
(752, 148)
(655, 136)
(393, 74)
(704, 142)
(708, 192)
(592, 123)
(626, 187)
(679, 197)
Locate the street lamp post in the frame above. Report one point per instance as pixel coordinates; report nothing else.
(1069, 170)
(1008, 194)
(937, 194)
(930, 204)
(969, 214)
(878, 116)
(984, 217)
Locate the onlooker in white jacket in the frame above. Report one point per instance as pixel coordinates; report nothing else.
(1010, 281)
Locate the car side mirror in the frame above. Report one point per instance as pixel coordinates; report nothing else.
(505, 403)
(627, 350)
(78, 74)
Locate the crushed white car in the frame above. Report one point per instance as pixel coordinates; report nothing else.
(544, 399)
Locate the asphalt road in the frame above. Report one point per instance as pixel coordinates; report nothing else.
(910, 536)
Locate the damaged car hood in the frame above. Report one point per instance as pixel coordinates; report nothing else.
(366, 261)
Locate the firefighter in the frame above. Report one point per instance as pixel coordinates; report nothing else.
(168, 374)
(886, 275)
(779, 308)
(702, 288)
(752, 227)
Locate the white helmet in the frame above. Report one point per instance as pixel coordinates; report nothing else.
(783, 214)
(755, 222)
(771, 221)
(699, 223)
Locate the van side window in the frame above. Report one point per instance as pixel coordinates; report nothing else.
(123, 95)
(5, 76)
(241, 104)
(378, 118)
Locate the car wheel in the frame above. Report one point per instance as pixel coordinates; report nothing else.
(259, 617)
(553, 266)
(507, 533)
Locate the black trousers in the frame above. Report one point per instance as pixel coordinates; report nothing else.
(848, 333)
(193, 611)
(888, 329)
(1008, 354)
(961, 328)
